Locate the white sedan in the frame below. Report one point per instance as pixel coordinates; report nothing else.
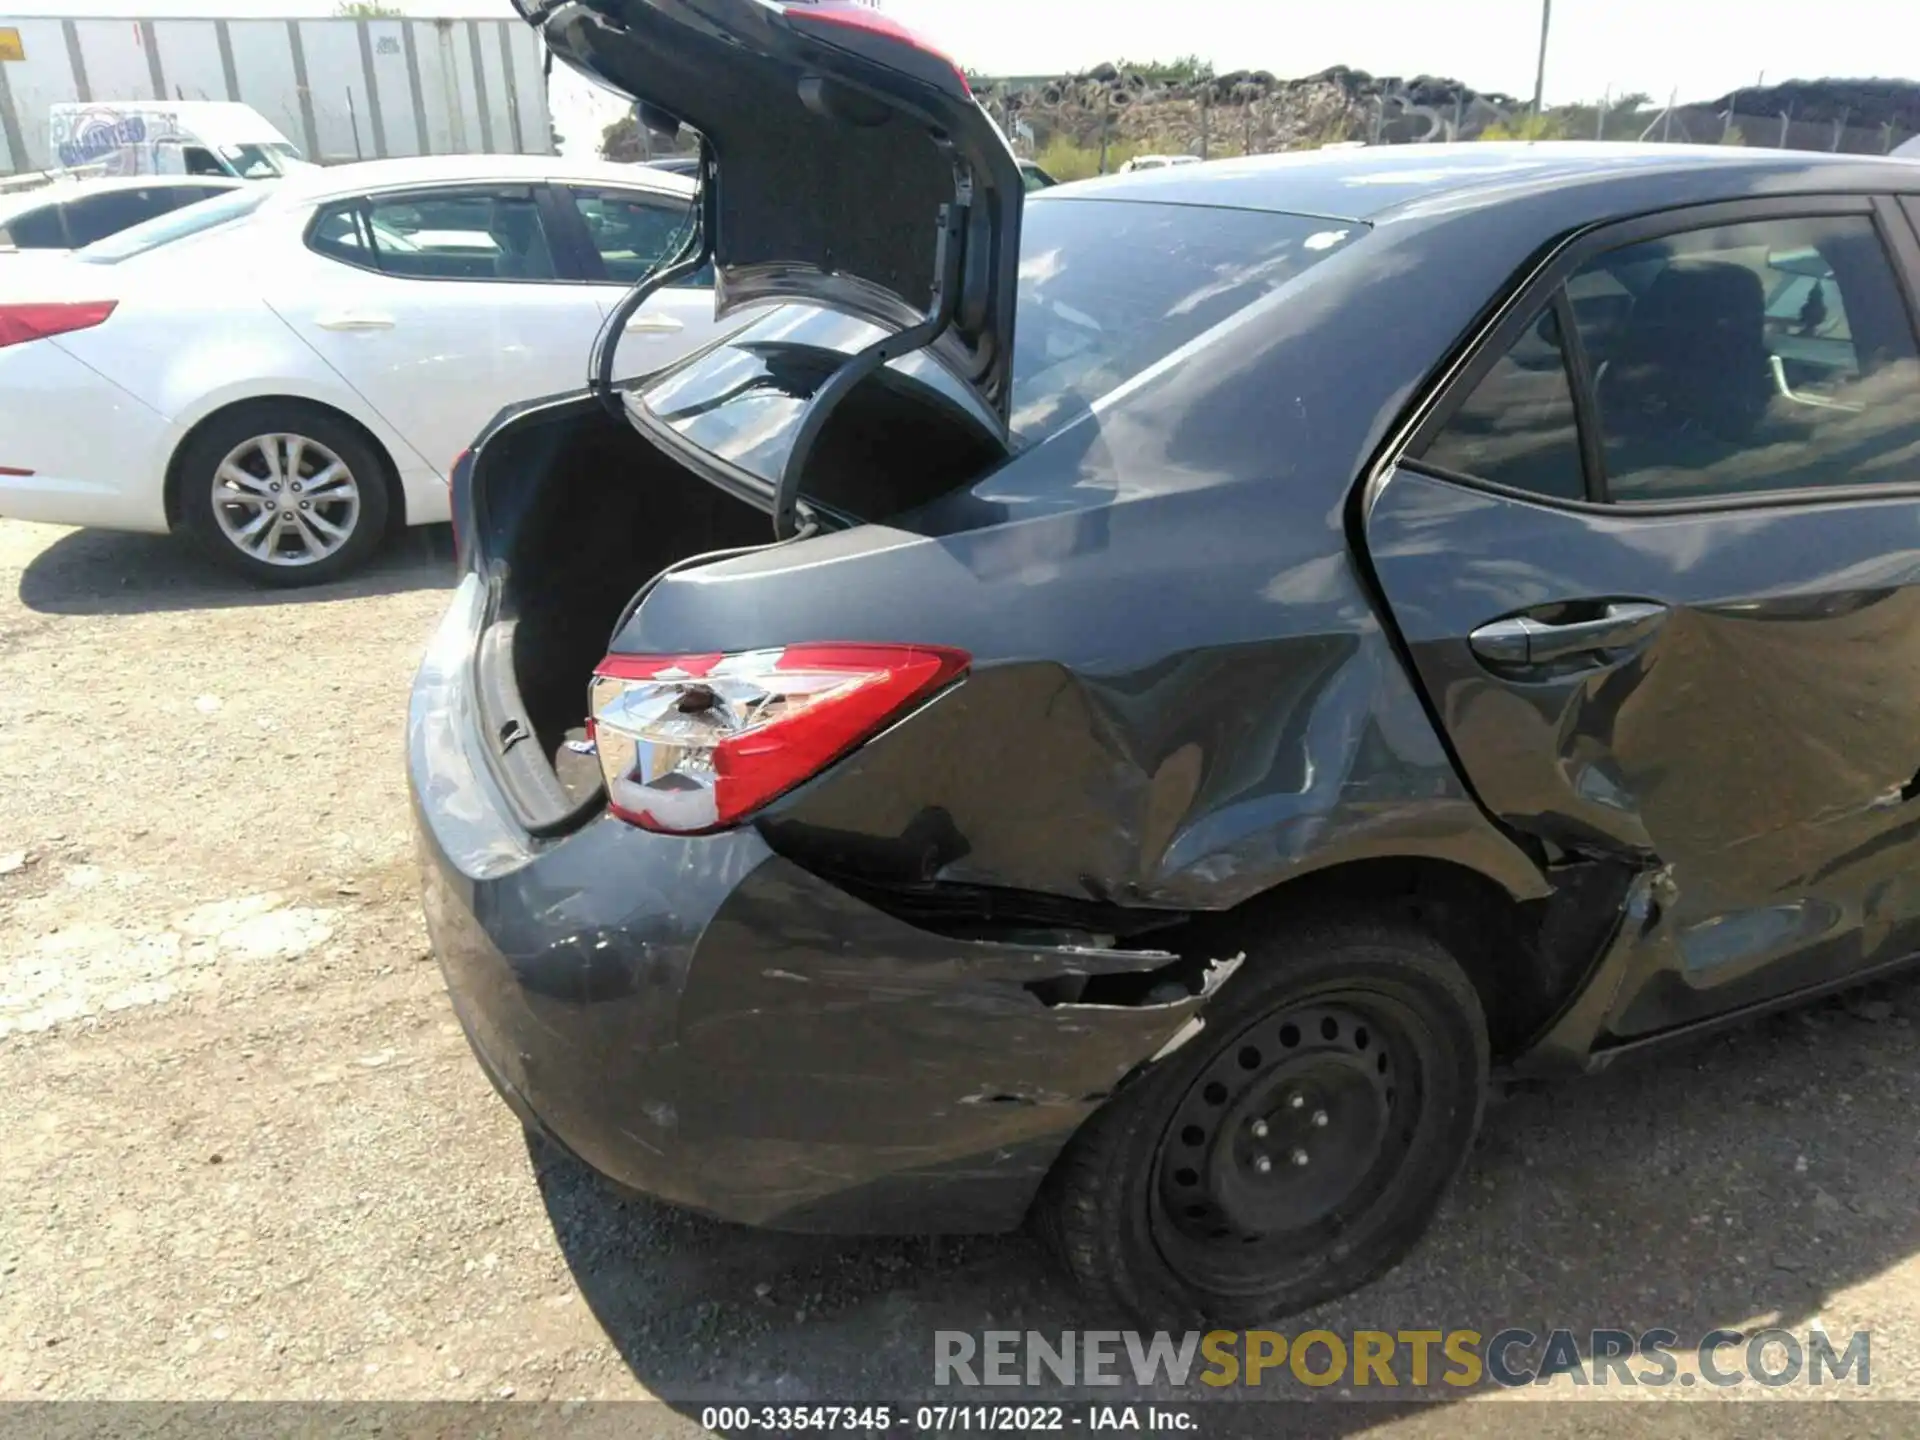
(286, 372)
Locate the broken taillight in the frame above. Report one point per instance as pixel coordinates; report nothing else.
(698, 742)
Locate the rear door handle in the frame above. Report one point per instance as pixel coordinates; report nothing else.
(353, 320)
(1526, 641)
(655, 324)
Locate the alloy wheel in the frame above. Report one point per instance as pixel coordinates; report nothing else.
(285, 499)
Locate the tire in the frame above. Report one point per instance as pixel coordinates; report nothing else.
(1356, 1042)
(233, 475)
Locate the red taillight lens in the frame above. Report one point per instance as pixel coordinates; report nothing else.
(697, 742)
(852, 15)
(37, 321)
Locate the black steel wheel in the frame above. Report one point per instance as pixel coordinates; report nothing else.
(1293, 1150)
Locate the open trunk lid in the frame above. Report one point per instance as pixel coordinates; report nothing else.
(853, 167)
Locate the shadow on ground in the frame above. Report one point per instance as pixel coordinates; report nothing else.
(1736, 1182)
(103, 572)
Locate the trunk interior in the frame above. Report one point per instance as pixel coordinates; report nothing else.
(583, 511)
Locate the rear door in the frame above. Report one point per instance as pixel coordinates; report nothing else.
(1656, 556)
(441, 306)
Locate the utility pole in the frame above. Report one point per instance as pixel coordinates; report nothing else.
(1540, 70)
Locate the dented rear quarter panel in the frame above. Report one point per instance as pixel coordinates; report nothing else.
(1181, 694)
(1184, 693)
(1186, 688)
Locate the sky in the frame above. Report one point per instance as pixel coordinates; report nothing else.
(1699, 48)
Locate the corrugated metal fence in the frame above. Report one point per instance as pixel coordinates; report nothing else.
(340, 89)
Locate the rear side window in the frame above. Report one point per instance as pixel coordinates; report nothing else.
(491, 234)
(1776, 355)
(1518, 427)
(633, 233)
(1726, 361)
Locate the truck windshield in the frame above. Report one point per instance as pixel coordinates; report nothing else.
(195, 219)
(259, 162)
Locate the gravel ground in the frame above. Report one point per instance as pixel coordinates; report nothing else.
(247, 1155)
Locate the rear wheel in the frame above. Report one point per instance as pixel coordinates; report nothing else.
(1295, 1149)
(284, 493)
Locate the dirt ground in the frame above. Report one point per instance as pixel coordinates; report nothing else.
(247, 1155)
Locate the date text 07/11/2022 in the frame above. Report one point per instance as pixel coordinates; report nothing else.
(943, 1419)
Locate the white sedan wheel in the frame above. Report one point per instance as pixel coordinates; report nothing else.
(285, 499)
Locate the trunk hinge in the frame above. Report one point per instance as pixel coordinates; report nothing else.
(949, 258)
(697, 251)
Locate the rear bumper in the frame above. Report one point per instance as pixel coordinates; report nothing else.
(701, 1020)
(97, 455)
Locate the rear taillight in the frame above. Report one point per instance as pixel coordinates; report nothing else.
(857, 16)
(698, 742)
(41, 319)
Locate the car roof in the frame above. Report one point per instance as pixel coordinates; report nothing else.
(1372, 182)
(335, 181)
(57, 192)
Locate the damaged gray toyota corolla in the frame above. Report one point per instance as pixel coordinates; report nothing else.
(1118, 709)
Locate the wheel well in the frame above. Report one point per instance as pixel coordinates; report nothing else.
(389, 472)
(1523, 969)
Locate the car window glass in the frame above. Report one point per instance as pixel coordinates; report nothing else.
(1107, 289)
(94, 217)
(339, 232)
(200, 161)
(1518, 427)
(37, 230)
(177, 225)
(1771, 355)
(634, 233)
(468, 235)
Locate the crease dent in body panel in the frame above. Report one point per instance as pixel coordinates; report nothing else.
(1077, 1018)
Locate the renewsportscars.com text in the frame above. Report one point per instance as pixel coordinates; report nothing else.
(1389, 1359)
